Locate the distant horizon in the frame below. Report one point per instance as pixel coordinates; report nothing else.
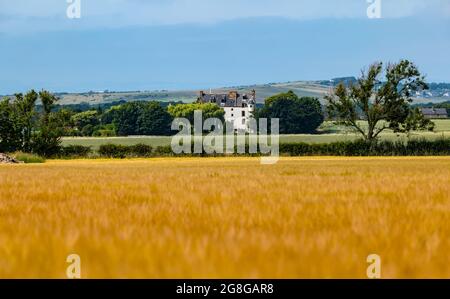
(206, 89)
(171, 45)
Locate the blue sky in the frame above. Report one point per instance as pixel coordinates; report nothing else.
(193, 44)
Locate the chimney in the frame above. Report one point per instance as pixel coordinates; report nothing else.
(233, 95)
(201, 95)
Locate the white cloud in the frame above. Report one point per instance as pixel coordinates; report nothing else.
(28, 15)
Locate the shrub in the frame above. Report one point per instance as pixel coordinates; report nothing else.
(122, 151)
(363, 148)
(75, 151)
(108, 130)
(140, 150)
(104, 133)
(347, 148)
(113, 151)
(28, 158)
(165, 150)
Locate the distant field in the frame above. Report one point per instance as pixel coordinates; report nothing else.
(301, 88)
(227, 217)
(263, 91)
(335, 134)
(442, 125)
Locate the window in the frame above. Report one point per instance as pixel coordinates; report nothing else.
(243, 121)
(243, 113)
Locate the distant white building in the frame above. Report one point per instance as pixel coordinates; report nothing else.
(239, 109)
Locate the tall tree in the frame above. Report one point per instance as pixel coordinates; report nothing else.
(297, 115)
(10, 129)
(22, 128)
(49, 127)
(154, 120)
(26, 113)
(140, 118)
(382, 104)
(48, 101)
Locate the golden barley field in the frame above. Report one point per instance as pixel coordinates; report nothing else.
(226, 218)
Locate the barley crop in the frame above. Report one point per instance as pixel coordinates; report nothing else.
(226, 218)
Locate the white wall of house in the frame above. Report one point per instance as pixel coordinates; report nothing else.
(239, 116)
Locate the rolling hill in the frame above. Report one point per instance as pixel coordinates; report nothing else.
(301, 88)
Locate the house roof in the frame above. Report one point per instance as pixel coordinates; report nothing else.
(232, 99)
(434, 111)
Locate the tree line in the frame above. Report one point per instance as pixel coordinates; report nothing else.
(297, 115)
(34, 122)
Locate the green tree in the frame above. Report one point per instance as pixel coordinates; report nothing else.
(125, 118)
(48, 101)
(209, 110)
(154, 120)
(141, 118)
(383, 104)
(416, 121)
(109, 115)
(49, 128)
(297, 115)
(85, 120)
(10, 129)
(25, 111)
(64, 116)
(23, 128)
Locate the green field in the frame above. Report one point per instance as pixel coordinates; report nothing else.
(330, 133)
